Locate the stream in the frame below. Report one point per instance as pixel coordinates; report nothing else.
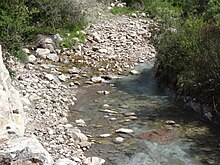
(161, 133)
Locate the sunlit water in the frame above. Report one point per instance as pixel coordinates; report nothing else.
(192, 142)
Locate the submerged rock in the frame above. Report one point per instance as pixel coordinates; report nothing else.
(93, 161)
(124, 130)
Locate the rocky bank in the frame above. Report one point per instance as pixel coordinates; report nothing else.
(34, 124)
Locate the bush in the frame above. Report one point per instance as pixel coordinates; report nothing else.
(189, 60)
(55, 13)
(13, 25)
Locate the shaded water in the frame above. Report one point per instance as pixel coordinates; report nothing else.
(164, 134)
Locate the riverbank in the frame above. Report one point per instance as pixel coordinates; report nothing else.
(48, 83)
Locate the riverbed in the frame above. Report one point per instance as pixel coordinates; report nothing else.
(161, 131)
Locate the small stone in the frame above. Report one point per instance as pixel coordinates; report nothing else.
(134, 72)
(106, 106)
(93, 161)
(124, 130)
(95, 48)
(53, 57)
(170, 122)
(42, 52)
(119, 139)
(32, 59)
(103, 51)
(129, 114)
(50, 77)
(108, 111)
(80, 122)
(134, 15)
(96, 79)
(105, 135)
(62, 77)
(74, 70)
(27, 51)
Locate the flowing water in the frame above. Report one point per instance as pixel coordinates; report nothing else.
(164, 134)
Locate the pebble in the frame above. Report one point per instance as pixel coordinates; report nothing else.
(124, 130)
(119, 139)
(105, 135)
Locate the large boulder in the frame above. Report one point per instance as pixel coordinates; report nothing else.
(24, 150)
(12, 119)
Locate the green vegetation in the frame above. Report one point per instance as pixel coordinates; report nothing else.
(122, 10)
(187, 39)
(22, 20)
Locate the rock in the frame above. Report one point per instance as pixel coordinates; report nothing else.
(11, 109)
(58, 38)
(103, 51)
(108, 111)
(73, 70)
(27, 51)
(26, 148)
(42, 52)
(96, 37)
(95, 48)
(53, 57)
(93, 161)
(124, 130)
(62, 77)
(80, 122)
(170, 122)
(32, 59)
(50, 77)
(134, 72)
(96, 79)
(65, 161)
(134, 15)
(105, 135)
(46, 43)
(119, 139)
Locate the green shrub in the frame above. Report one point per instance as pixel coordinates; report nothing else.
(55, 13)
(121, 10)
(189, 60)
(13, 25)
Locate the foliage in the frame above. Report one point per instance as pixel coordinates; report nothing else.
(121, 10)
(188, 48)
(56, 13)
(72, 38)
(13, 25)
(22, 20)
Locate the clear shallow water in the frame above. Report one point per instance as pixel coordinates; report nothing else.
(187, 142)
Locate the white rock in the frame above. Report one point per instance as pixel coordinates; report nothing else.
(50, 77)
(29, 148)
(134, 72)
(58, 38)
(134, 15)
(108, 111)
(74, 70)
(96, 79)
(124, 130)
(42, 52)
(62, 77)
(105, 135)
(32, 58)
(80, 122)
(93, 161)
(119, 139)
(103, 51)
(53, 57)
(27, 51)
(65, 161)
